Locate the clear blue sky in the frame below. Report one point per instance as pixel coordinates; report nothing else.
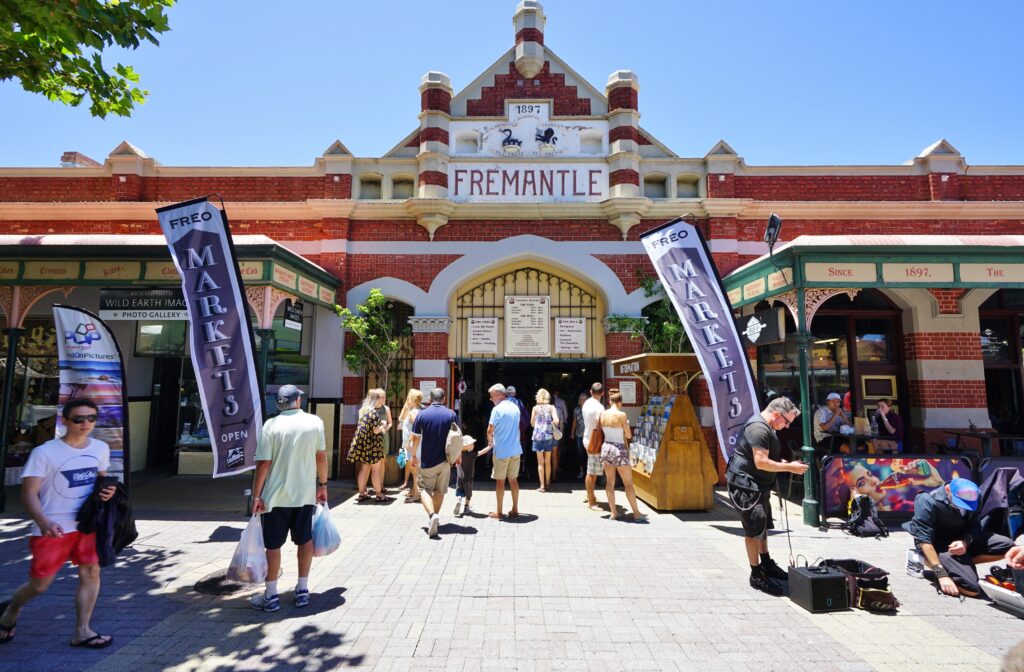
(263, 83)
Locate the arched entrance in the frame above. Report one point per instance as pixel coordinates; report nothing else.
(1001, 319)
(558, 344)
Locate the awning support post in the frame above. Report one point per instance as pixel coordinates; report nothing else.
(811, 507)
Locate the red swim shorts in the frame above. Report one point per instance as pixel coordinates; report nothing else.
(50, 553)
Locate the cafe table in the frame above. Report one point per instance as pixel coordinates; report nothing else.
(985, 438)
(837, 439)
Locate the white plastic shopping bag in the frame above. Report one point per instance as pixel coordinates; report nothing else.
(249, 563)
(326, 538)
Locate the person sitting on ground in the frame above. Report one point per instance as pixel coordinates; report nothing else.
(615, 455)
(950, 537)
(829, 418)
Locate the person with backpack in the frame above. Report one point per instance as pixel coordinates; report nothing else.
(750, 476)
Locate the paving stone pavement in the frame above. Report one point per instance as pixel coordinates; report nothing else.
(561, 588)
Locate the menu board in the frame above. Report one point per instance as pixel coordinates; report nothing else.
(650, 428)
(570, 335)
(527, 326)
(482, 335)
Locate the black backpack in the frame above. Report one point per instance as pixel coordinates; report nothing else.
(868, 585)
(864, 520)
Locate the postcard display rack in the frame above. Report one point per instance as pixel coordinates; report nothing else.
(672, 468)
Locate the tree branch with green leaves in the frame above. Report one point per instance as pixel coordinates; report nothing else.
(660, 329)
(378, 340)
(55, 47)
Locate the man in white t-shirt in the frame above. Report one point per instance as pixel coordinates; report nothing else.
(59, 477)
(592, 410)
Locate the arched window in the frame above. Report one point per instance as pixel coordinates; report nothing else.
(370, 187)
(655, 186)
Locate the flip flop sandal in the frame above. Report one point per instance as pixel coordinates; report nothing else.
(6, 628)
(362, 497)
(94, 642)
(383, 499)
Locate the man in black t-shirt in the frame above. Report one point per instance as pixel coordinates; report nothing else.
(750, 477)
(429, 448)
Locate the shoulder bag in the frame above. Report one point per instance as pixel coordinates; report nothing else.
(596, 440)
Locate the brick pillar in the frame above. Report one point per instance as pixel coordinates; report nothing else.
(528, 22)
(945, 186)
(946, 384)
(352, 388)
(623, 90)
(619, 344)
(436, 107)
(430, 351)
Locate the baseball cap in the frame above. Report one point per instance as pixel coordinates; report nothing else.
(833, 395)
(964, 494)
(511, 390)
(286, 394)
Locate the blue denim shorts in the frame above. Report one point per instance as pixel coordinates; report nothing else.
(543, 446)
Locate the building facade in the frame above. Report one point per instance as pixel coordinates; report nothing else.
(505, 227)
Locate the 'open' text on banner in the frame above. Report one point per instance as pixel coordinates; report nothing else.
(219, 332)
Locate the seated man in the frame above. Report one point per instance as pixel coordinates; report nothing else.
(829, 418)
(950, 536)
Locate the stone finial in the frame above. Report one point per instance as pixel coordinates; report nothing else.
(622, 78)
(529, 23)
(435, 80)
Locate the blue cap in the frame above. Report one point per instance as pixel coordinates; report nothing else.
(287, 394)
(964, 494)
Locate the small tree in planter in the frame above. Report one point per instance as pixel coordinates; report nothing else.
(378, 340)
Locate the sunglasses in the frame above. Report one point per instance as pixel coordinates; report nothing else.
(79, 419)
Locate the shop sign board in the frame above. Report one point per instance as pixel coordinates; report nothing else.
(753, 289)
(138, 303)
(570, 335)
(527, 326)
(688, 273)
(285, 277)
(220, 332)
(307, 287)
(91, 367)
(924, 273)
(251, 270)
(326, 295)
(992, 273)
(780, 279)
(763, 327)
(9, 270)
(627, 388)
(160, 270)
(52, 270)
(482, 335)
(527, 182)
(735, 295)
(293, 315)
(113, 270)
(815, 271)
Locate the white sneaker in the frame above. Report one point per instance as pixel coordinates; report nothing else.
(435, 520)
(458, 507)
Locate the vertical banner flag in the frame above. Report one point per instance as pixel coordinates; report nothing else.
(690, 279)
(91, 367)
(220, 336)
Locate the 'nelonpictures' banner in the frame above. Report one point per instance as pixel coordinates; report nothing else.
(220, 336)
(690, 279)
(91, 367)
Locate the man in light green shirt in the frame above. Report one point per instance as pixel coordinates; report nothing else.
(290, 454)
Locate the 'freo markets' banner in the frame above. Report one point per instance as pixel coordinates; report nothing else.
(691, 281)
(219, 333)
(91, 367)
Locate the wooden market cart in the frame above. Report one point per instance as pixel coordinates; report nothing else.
(673, 470)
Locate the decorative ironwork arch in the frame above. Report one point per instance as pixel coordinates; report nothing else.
(487, 299)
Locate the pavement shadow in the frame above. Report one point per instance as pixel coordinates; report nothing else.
(737, 530)
(521, 519)
(307, 648)
(454, 528)
(223, 534)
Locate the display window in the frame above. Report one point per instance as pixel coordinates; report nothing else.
(33, 417)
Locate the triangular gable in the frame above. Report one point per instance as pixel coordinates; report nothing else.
(721, 148)
(337, 149)
(128, 149)
(939, 148)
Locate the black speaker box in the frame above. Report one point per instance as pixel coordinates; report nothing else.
(818, 589)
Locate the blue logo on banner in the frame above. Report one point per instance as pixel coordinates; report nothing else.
(80, 478)
(84, 334)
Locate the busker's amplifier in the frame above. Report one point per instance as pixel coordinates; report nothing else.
(818, 589)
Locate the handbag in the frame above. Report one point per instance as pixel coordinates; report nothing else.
(402, 459)
(453, 449)
(596, 441)
(556, 433)
(868, 585)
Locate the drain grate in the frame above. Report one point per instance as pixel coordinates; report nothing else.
(218, 583)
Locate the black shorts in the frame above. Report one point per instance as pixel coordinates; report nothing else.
(755, 511)
(281, 520)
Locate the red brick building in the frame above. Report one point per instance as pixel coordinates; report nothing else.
(530, 181)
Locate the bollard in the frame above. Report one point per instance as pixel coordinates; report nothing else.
(812, 509)
(247, 493)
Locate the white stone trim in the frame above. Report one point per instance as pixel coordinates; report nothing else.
(431, 325)
(950, 417)
(430, 368)
(945, 369)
